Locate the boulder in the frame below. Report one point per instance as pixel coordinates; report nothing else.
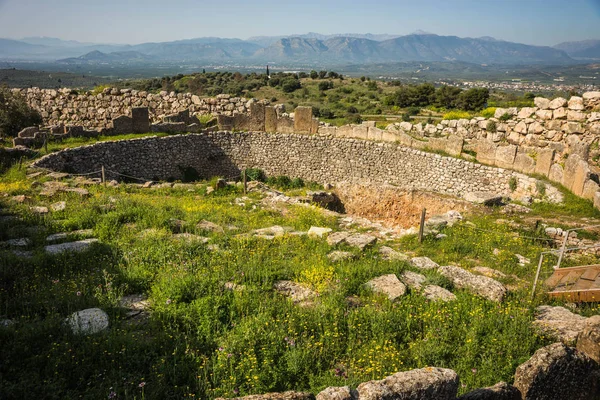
(361, 241)
(336, 256)
(541, 103)
(576, 103)
(500, 391)
(209, 227)
(558, 372)
(59, 206)
(88, 322)
(418, 384)
(424, 263)
(337, 393)
(485, 198)
(337, 237)
(481, 285)
(588, 340)
(438, 293)
(413, 280)
(318, 231)
(387, 253)
(557, 103)
(388, 285)
(559, 323)
(295, 291)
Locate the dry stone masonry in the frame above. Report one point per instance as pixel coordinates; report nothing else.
(320, 158)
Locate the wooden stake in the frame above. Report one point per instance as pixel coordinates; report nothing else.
(103, 176)
(422, 227)
(245, 181)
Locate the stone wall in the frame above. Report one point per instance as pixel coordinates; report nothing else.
(320, 158)
(67, 107)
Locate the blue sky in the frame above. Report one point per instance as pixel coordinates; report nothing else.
(540, 22)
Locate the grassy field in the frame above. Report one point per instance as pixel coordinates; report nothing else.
(203, 341)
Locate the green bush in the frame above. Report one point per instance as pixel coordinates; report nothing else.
(255, 174)
(512, 183)
(491, 127)
(15, 114)
(457, 115)
(505, 117)
(488, 112)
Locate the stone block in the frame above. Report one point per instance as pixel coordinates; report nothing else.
(360, 132)
(486, 152)
(454, 145)
(557, 103)
(505, 156)
(544, 160)
(374, 133)
(524, 163)
(285, 125)
(140, 117)
(597, 200)
(556, 173)
(576, 103)
(571, 168)
(589, 189)
(270, 119)
(541, 103)
(225, 122)
(544, 114)
(122, 124)
(303, 120)
(345, 131)
(582, 174)
(256, 119)
(560, 113)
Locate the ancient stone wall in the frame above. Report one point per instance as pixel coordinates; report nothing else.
(320, 158)
(68, 107)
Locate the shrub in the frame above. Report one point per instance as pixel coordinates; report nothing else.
(512, 183)
(15, 113)
(325, 85)
(189, 174)
(505, 117)
(491, 126)
(541, 188)
(457, 115)
(255, 174)
(290, 84)
(488, 112)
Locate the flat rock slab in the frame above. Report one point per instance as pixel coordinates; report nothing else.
(275, 396)
(558, 372)
(80, 191)
(191, 238)
(424, 263)
(482, 285)
(387, 253)
(337, 256)
(388, 285)
(489, 272)
(295, 291)
(21, 242)
(588, 340)
(559, 323)
(39, 210)
(417, 384)
(337, 393)
(59, 206)
(75, 247)
(134, 302)
(318, 231)
(413, 280)
(500, 391)
(88, 322)
(336, 238)
(210, 227)
(270, 232)
(57, 175)
(55, 237)
(361, 241)
(438, 293)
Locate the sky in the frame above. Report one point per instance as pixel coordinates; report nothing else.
(538, 22)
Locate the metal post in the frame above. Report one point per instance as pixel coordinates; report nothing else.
(562, 249)
(537, 276)
(422, 227)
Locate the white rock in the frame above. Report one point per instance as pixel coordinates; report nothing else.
(88, 322)
(388, 285)
(318, 231)
(424, 263)
(438, 293)
(76, 247)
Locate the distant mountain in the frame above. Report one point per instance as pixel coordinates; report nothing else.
(96, 56)
(199, 49)
(421, 47)
(266, 41)
(53, 42)
(9, 47)
(583, 49)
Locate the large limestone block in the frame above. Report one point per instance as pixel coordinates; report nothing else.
(576, 103)
(556, 173)
(524, 163)
(560, 113)
(558, 372)
(557, 103)
(360, 132)
(521, 128)
(336, 393)
(571, 167)
(418, 384)
(486, 152)
(544, 114)
(274, 396)
(505, 156)
(542, 103)
(454, 145)
(270, 119)
(589, 189)
(558, 323)
(374, 133)
(140, 119)
(588, 340)
(526, 112)
(303, 119)
(500, 391)
(582, 173)
(544, 160)
(576, 116)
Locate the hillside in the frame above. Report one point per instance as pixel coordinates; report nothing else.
(586, 49)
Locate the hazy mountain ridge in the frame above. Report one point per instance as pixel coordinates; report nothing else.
(308, 48)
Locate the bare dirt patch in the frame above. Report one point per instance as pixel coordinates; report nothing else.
(395, 207)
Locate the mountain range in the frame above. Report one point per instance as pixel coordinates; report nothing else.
(307, 49)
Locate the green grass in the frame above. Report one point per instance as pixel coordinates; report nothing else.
(202, 341)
